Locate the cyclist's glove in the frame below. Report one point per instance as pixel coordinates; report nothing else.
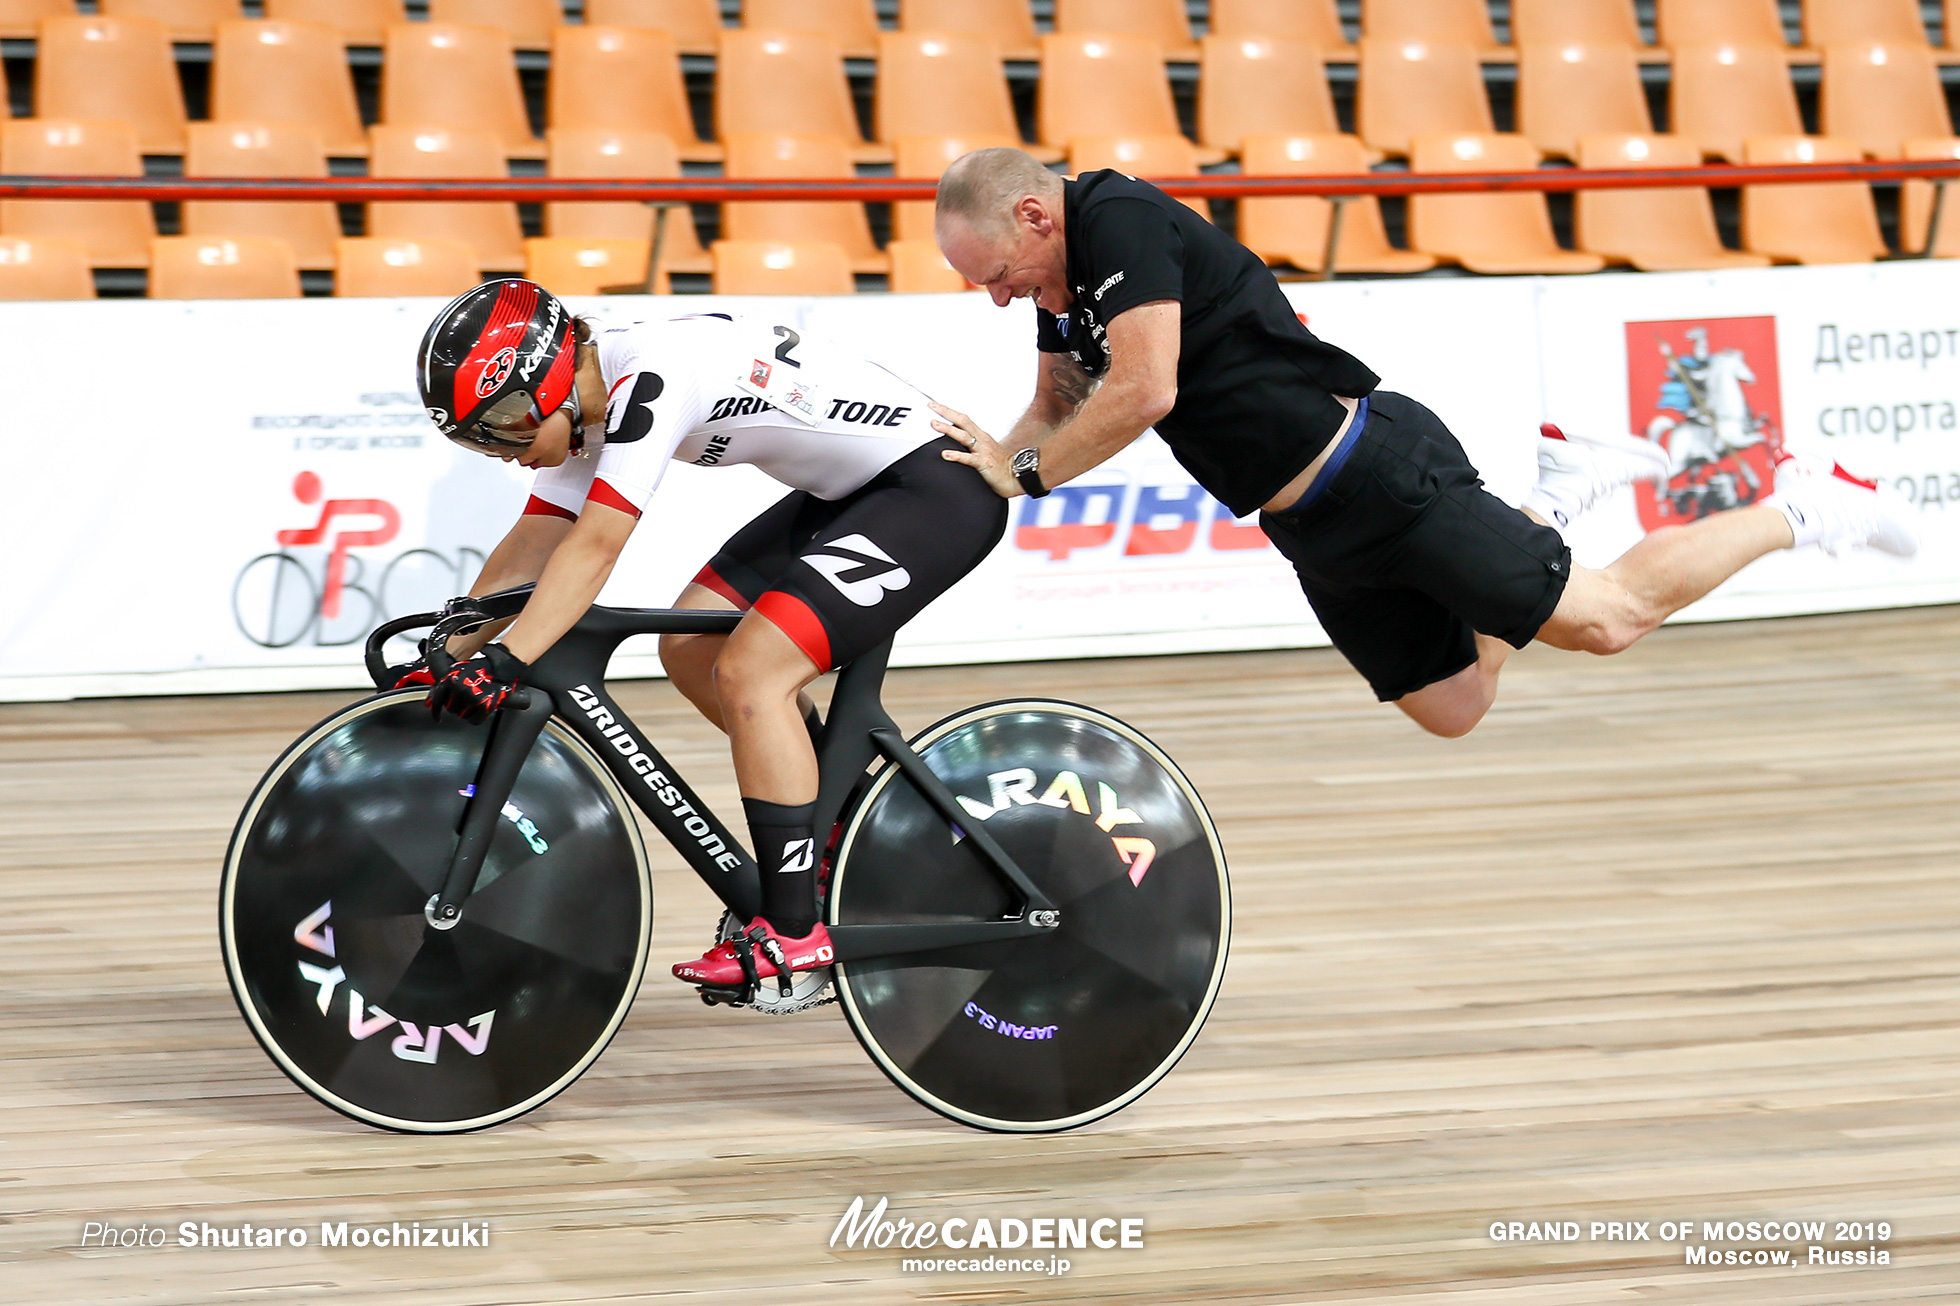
(478, 687)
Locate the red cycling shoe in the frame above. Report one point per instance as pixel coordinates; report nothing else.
(768, 952)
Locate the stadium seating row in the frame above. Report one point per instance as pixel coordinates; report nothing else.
(597, 244)
(949, 84)
(259, 267)
(697, 24)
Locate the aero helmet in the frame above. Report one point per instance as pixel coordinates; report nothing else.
(496, 362)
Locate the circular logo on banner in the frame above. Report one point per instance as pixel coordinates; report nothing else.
(496, 372)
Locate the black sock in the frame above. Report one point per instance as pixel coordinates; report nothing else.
(787, 854)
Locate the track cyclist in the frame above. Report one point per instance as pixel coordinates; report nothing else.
(876, 526)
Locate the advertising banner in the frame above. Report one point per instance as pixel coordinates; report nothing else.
(223, 496)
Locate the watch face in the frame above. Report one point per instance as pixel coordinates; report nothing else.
(1026, 460)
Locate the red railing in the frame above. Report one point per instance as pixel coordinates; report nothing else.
(350, 190)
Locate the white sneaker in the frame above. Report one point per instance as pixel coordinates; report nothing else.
(1576, 471)
(1829, 507)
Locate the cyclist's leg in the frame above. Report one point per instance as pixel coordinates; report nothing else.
(857, 569)
(738, 574)
(690, 659)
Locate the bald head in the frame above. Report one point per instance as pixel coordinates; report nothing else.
(983, 189)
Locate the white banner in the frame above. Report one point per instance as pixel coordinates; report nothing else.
(229, 495)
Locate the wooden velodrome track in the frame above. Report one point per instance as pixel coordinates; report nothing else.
(1673, 935)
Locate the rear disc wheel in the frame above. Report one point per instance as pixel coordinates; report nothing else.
(1056, 1030)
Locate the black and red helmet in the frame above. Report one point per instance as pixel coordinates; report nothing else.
(496, 362)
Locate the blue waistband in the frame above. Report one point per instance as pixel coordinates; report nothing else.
(1335, 461)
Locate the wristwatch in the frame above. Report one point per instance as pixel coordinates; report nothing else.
(1027, 470)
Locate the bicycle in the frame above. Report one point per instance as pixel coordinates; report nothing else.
(434, 927)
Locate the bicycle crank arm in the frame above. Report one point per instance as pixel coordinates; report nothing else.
(936, 793)
(863, 942)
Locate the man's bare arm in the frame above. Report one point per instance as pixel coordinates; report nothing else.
(1140, 388)
(1060, 389)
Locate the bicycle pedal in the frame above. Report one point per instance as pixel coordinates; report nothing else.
(719, 996)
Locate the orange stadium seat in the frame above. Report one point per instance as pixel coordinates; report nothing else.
(1150, 157)
(221, 267)
(235, 149)
(116, 233)
(1504, 234)
(1841, 22)
(944, 84)
(695, 25)
(853, 24)
(1317, 22)
(622, 78)
(1721, 22)
(1166, 23)
(528, 23)
(600, 152)
(266, 70)
(1830, 222)
(1294, 229)
(454, 75)
(1654, 230)
(1916, 202)
(1009, 22)
(790, 82)
(1568, 22)
(1262, 86)
(1571, 90)
(359, 22)
(756, 267)
(188, 20)
(112, 69)
(921, 157)
(21, 19)
(45, 267)
(1882, 96)
(566, 266)
(490, 228)
(1412, 88)
(1441, 22)
(1105, 86)
(378, 266)
(797, 222)
(918, 268)
(1723, 94)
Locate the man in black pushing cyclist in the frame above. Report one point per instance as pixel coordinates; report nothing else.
(1147, 315)
(877, 526)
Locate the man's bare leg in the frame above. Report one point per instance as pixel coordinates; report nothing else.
(1605, 611)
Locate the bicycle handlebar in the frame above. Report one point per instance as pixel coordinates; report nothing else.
(457, 617)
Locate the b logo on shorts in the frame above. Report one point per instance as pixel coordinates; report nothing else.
(874, 573)
(496, 372)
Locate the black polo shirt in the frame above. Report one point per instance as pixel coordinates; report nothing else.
(1255, 388)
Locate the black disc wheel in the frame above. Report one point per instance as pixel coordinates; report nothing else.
(342, 979)
(1055, 1030)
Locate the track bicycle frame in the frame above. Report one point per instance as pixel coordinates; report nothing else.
(569, 682)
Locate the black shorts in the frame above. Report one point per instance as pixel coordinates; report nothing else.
(841, 576)
(1404, 554)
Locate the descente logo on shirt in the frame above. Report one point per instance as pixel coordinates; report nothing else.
(1106, 285)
